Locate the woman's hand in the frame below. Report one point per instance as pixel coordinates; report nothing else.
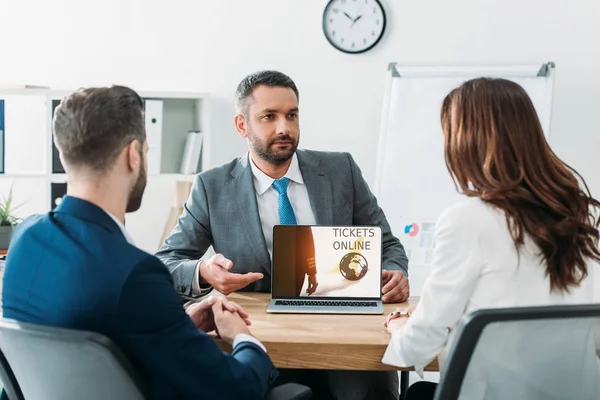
(398, 318)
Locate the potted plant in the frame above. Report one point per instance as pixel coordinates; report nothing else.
(7, 220)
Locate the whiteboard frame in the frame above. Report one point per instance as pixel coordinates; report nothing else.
(399, 71)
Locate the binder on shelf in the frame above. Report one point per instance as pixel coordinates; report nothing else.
(153, 119)
(1, 136)
(191, 153)
(21, 87)
(57, 167)
(57, 191)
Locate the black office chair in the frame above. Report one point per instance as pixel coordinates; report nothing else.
(533, 352)
(41, 357)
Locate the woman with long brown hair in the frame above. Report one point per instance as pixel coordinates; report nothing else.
(525, 236)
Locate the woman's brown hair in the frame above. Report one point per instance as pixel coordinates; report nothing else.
(495, 149)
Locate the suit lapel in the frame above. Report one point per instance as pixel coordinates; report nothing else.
(241, 189)
(318, 186)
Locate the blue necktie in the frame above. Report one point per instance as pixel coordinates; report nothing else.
(286, 212)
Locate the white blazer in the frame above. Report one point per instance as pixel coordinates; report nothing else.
(475, 266)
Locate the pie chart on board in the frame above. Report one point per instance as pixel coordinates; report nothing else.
(411, 230)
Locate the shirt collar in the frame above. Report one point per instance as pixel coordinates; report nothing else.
(122, 228)
(262, 181)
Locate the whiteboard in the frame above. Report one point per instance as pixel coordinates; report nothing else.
(412, 183)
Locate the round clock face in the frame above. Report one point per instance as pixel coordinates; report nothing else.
(353, 26)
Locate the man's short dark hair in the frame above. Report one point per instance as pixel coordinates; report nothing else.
(91, 126)
(267, 78)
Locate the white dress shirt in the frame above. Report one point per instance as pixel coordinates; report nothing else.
(268, 199)
(475, 266)
(239, 338)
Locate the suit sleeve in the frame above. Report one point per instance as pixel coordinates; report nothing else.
(188, 241)
(162, 342)
(368, 212)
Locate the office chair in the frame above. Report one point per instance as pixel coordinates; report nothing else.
(531, 352)
(9, 383)
(41, 356)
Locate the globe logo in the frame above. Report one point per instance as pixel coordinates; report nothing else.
(353, 266)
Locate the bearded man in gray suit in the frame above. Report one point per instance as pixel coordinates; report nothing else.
(234, 207)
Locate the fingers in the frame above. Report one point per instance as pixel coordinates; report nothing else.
(228, 305)
(404, 289)
(206, 303)
(385, 275)
(234, 307)
(396, 278)
(228, 282)
(241, 280)
(221, 261)
(405, 293)
(391, 284)
(403, 282)
(253, 277)
(217, 308)
(398, 294)
(391, 295)
(241, 311)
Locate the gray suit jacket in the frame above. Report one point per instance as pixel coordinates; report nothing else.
(222, 211)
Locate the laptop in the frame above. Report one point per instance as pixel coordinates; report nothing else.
(326, 270)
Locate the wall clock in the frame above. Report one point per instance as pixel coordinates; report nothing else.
(354, 26)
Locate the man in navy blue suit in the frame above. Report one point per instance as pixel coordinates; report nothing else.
(76, 267)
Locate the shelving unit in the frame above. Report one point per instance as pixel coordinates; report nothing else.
(33, 169)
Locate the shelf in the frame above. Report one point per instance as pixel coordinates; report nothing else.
(173, 95)
(58, 177)
(175, 177)
(179, 113)
(21, 176)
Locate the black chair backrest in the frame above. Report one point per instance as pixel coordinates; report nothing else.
(58, 363)
(546, 342)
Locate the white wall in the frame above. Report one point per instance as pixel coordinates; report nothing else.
(208, 46)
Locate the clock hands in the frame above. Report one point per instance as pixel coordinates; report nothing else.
(360, 16)
(357, 18)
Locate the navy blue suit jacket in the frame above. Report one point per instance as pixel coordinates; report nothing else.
(74, 268)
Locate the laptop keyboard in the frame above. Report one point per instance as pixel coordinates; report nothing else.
(326, 303)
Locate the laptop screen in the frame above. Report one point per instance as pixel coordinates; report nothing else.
(326, 262)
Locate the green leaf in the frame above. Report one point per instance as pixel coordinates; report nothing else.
(6, 210)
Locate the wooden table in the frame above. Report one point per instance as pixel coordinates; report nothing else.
(340, 342)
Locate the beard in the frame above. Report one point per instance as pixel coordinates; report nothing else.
(269, 152)
(137, 192)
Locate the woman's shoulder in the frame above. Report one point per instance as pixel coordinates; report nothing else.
(472, 212)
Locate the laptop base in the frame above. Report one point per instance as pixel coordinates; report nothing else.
(287, 306)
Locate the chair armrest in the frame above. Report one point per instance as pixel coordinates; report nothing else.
(290, 391)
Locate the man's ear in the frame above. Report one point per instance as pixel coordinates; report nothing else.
(240, 124)
(134, 160)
